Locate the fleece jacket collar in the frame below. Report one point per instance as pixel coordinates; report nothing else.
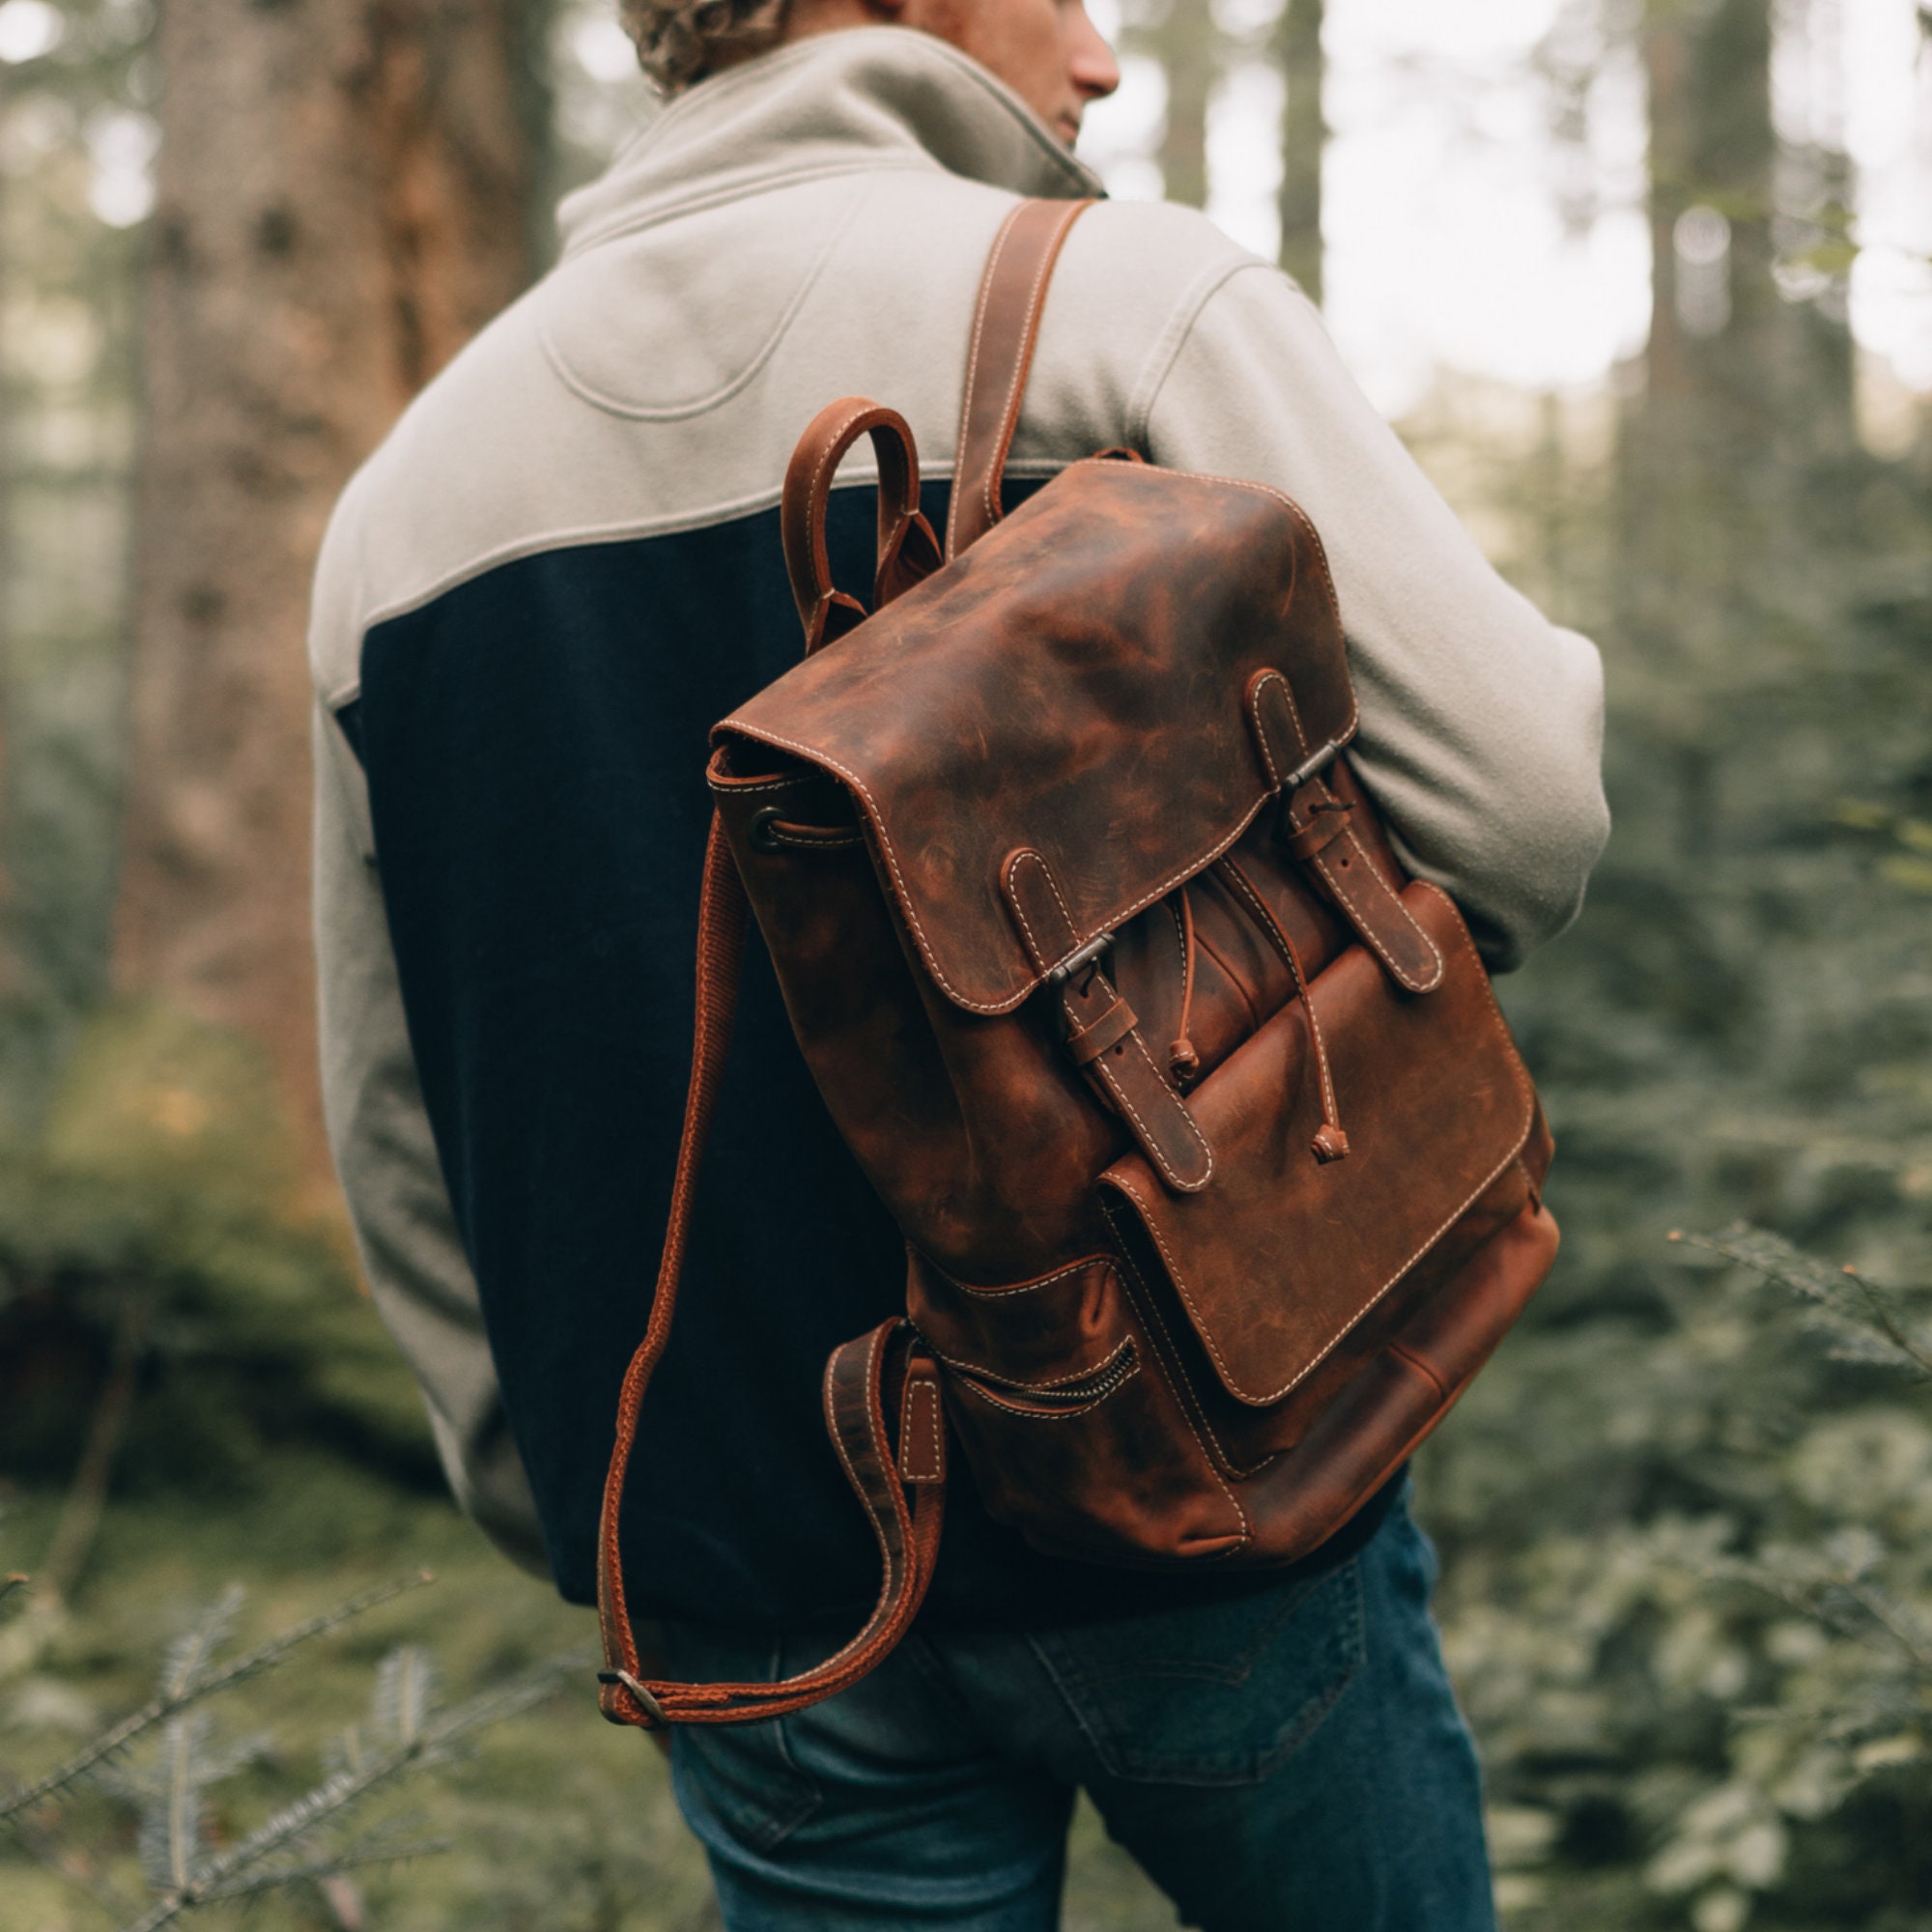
(861, 98)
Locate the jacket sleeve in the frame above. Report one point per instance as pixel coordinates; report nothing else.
(1481, 734)
(386, 1160)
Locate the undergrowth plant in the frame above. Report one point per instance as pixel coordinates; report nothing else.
(159, 1767)
(1707, 1702)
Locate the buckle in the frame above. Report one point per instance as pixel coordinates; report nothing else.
(1057, 975)
(650, 1706)
(1313, 766)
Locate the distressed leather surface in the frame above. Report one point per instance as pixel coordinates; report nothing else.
(1280, 1261)
(1045, 741)
(1219, 1173)
(1077, 683)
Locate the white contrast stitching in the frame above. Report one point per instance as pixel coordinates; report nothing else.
(1520, 1078)
(1166, 885)
(1148, 1144)
(1188, 1403)
(1322, 864)
(744, 787)
(1023, 1287)
(815, 535)
(1017, 899)
(1056, 1415)
(1019, 1387)
(1009, 410)
(880, 1449)
(1260, 684)
(973, 368)
(934, 1407)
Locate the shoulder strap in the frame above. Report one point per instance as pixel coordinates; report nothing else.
(902, 1495)
(857, 1380)
(1005, 326)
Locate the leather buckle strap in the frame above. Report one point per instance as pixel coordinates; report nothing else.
(1315, 831)
(1100, 1029)
(856, 1377)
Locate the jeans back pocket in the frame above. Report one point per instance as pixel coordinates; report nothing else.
(1218, 1693)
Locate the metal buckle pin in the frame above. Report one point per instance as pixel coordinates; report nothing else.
(1057, 975)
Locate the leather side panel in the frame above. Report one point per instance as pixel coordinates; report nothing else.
(1075, 1437)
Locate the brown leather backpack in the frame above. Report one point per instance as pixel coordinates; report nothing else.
(1218, 1170)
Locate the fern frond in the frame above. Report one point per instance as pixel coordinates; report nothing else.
(1866, 1319)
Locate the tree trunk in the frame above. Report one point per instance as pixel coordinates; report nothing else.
(1187, 45)
(1304, 134)
(341, 203)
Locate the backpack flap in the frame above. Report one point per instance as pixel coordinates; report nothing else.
(1285, 1255)
(1081, 684)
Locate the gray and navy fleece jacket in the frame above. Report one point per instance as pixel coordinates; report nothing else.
(564, 566)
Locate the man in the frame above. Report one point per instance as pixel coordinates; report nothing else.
(561, 570)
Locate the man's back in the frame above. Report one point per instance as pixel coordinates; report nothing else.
(564, 567)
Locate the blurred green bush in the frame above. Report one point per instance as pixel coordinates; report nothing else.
(157, 1217)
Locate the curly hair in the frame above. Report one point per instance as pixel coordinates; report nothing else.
(680, 41)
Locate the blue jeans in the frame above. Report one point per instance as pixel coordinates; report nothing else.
(1288, 1760)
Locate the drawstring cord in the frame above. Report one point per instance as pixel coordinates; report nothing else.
(1330, 1141)
(1182, 1062)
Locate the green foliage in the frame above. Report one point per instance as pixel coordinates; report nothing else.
(160, 1766)
(1712, 1690)
(159, 1203)
(1679, 1509)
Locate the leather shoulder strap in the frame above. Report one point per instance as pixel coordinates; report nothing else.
(1004, 329)
(903, 1496)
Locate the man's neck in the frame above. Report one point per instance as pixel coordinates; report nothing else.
(804, 21)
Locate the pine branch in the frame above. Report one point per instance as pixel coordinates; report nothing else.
(334, 1796)
(1811, 1594)
(351, 1858)
(190, 1654)
(404, 1691)
(264, 1656)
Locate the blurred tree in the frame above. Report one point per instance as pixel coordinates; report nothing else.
(342, 202)
(74, 140)
(1734, 1027)
(1304, 134)
(1184, 38)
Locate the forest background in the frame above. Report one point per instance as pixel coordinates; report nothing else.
(1685, 1519)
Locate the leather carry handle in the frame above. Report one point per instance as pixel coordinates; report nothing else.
(1005, 327)
(907, 550)
(856, 1381)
